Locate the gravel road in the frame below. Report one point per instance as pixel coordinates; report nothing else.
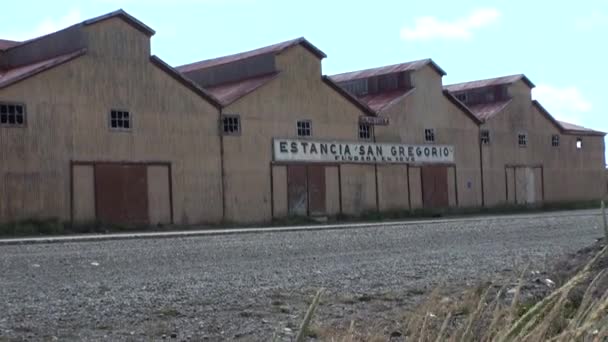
(249, 286)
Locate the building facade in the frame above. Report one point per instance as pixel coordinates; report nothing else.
(411, 97)
(95, 128)
(528, 157)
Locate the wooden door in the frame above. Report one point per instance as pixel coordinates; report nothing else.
(316, 190)
(435, 186)
(297, 190)
(121, 193)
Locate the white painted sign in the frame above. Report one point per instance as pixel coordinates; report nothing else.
(359, 152)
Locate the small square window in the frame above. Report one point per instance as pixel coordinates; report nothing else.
(365, 132)
(522, 139)
(120, 120)
(485, 137)
(579, 143)
(12, 115)
(555, 140)
(231, 124)
(304, 128)
(429, 135)
(462, 97)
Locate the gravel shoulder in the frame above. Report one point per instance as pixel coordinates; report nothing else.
(249, 286)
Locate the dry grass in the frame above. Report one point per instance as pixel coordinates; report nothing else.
(484, 314)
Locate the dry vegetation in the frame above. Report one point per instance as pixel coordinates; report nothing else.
(575, 311)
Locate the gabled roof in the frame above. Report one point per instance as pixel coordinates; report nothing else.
(389, 69)
(486, 111)
(489, 82)
(5, 44)
(227, 93)
(11, 76)
(271, 49)
(351, 98)
(185, 81)
(129, 19)
(565, 127)
(380, 101)
(462, 107)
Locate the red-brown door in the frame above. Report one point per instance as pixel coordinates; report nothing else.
(297, 190)
(121, 193)
(316, 190)
(306, 190)
(435, 186)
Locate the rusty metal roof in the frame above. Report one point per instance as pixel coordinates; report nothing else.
(271, 49)
(389, 69)
(229, 92)
(489, 82)
(380, 101)
(565, 127)
(185, 81)
(129, 19)
(486, 111)
(5, 44)
(11, 76)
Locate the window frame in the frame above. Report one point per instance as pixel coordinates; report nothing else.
(309, 128)
(484, 140)
(120, 129)
(431, 134)
(20, 104)
(525, 139)
(369, 131)
(579, 143)
(238, 123)
(555, 140)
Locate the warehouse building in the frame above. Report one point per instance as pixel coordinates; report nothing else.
(278, 114)
(411, 98)
(528, 157)
(92, 127)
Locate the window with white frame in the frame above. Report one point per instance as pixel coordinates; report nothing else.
(522, 139)
(555, 140)
(429, 135)
(365, 132)
(304, 128)
(485, 137)
(579, 143)
(12, 115)
(120, 120)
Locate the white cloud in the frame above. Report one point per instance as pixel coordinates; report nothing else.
(591, 21)
(48, 25)
(429, 27)
(566, 104)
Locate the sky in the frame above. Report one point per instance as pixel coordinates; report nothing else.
(562, 46)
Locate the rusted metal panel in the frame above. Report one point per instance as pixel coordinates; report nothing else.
(121, 193)
(316, 190)
(389, 69)
(297, 190)
(435, 192)
(488, 82)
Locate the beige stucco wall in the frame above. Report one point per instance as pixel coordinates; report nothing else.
(67, 119)
(567, 174)
(427, 107)
(298, 93)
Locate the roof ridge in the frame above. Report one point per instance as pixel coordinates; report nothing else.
(382, 67)
(118, 13)
(508, 79)
(276, 48)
